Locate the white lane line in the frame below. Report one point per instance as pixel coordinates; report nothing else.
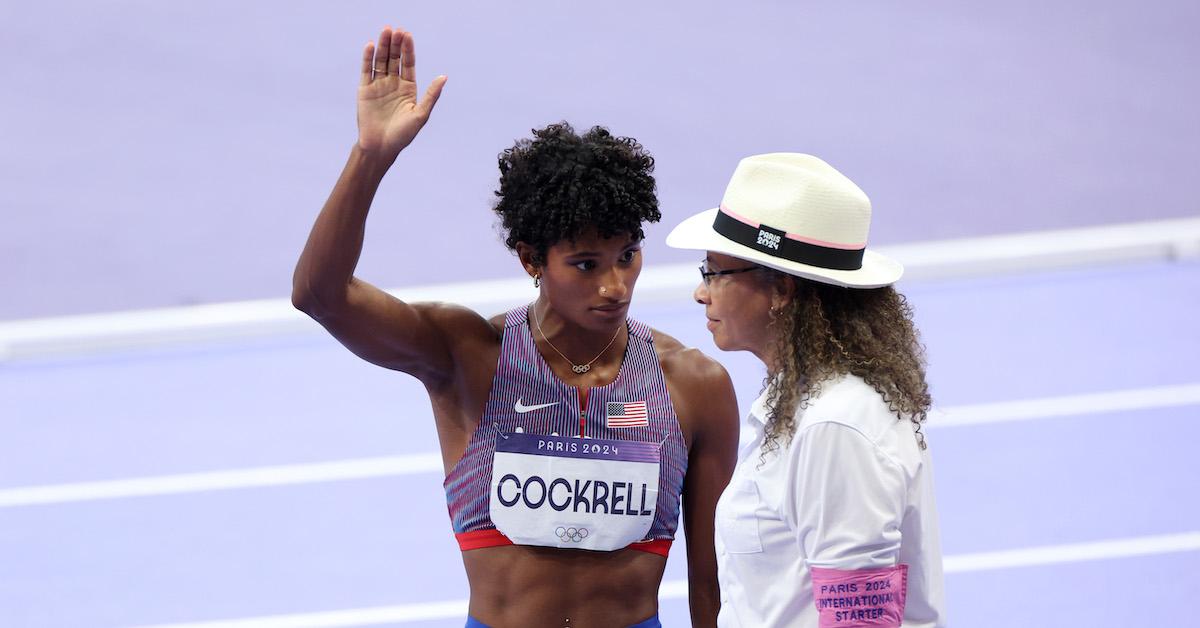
(431, 462)
(1073, 553)
(967, 257)
(222, 480)
(677, 589)
(1070, 405)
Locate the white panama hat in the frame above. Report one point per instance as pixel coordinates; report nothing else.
(794, 213)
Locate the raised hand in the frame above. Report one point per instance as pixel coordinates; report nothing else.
(389, 114)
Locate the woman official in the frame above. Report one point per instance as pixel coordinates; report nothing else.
(829, 519)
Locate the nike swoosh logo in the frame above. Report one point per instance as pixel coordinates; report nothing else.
(522, 408)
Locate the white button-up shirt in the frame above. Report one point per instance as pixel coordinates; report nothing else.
(852, 490)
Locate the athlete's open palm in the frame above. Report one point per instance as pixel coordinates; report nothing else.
(389, 114)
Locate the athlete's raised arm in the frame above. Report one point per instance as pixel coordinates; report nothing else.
(370, 322)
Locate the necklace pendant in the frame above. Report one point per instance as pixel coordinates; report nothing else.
(581, 368)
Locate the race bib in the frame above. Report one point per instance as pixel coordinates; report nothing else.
(557, 491)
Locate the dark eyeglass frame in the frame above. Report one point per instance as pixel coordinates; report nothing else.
(707, 275)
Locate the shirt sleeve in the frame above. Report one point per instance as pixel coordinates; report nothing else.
(847, 499)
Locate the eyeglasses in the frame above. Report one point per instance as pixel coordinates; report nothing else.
(707, 275)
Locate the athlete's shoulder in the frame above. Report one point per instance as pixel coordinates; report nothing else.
(498, 322)
(688, 364)
(702, 392)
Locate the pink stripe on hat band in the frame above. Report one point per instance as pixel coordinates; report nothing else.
(792, 236)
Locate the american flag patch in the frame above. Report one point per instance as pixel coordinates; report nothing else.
(626, 414)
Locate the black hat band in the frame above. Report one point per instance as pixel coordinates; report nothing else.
(775, 243)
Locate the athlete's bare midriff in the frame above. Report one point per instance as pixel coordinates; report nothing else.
(521, 586)
(527, 585)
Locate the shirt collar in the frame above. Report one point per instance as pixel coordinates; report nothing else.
(759, 409)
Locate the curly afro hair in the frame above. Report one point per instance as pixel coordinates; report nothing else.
(559, 184)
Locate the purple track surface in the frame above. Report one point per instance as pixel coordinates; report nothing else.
(386, 541)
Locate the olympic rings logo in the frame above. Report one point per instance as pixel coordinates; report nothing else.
(573, 535)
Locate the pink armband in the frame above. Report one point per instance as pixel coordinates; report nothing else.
(852, 598)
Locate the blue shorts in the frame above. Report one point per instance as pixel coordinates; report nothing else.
(649, 623)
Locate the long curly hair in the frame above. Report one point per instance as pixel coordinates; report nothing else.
(825, 331)
(558, 184)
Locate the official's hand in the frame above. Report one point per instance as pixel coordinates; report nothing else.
(389, 114)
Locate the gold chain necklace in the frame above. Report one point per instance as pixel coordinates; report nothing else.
(578, 368)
